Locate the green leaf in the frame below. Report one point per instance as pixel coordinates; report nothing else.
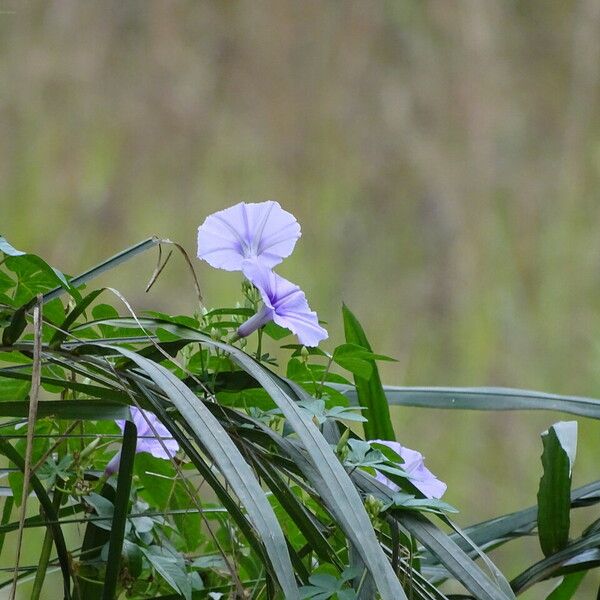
(62, 333)
(230, 462)
(22, 262)
(552, 565)
(104, 266)
(121, 505)
(566, 589)
(496, 531)
(369, 391)
(171, 568)
(104, 508)
(276, 332)
(45, 502)
(484, 398)
(93, 410)
(448, 552)
(554, 494)
(323, 469)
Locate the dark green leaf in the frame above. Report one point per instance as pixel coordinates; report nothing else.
(369, 391)
(567, 587)
(117, 532)
(554, 494)
(230, 462)
(485, 398)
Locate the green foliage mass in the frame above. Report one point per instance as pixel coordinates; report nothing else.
(272, 493)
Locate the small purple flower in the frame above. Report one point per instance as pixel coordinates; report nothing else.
(261, 231)
(284, 303)
(419, 475)
(147, 424)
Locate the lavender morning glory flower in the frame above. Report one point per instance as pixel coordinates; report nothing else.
(284, 303)
(142, 420)
(418, 474)
(261, 231)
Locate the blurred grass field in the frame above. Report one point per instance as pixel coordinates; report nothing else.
(443, 158)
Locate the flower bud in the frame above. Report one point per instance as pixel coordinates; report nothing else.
(304, 354)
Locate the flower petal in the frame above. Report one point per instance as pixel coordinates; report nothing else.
(289, 304)
(414, 464)
(247, 230)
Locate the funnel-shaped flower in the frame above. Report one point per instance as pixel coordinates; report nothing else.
(148, 426)
(284, 303)
(261, 231)
(418, 474)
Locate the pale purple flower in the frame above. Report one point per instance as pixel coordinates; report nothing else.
(262, 231)
(284, 303)
(419, 475)
(147, 424)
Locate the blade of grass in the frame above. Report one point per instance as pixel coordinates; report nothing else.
(107, 265)
(117, 531)
(6, 512)
(90, 410)
(484, 398)
(337, 489)
(43, 498)
(230, 462)
(506, 527)
(31, 420)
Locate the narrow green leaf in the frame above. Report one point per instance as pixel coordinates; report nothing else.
(6, 512)
(104, 266)
(369, 391)
(94, 410)
(567, 587)
(554, 494)
(552, 565)
(229, 461)
(61, 334)
(39, 490)
(498, 530)
(449, 553)
(335, 486)
(117, 532)
(484, 398)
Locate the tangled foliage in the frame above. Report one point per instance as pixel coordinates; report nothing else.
(174, 457)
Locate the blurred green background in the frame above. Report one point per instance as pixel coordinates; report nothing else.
(442, 156)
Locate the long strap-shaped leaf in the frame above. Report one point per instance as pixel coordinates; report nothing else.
(501, 529)
(231, 464)
(339, 494)
(117, 530)
(441, 545)
(338, 491)
(484, 398)
(61, 547)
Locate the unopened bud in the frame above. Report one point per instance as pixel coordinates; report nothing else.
(373, 506)
(304, 354)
